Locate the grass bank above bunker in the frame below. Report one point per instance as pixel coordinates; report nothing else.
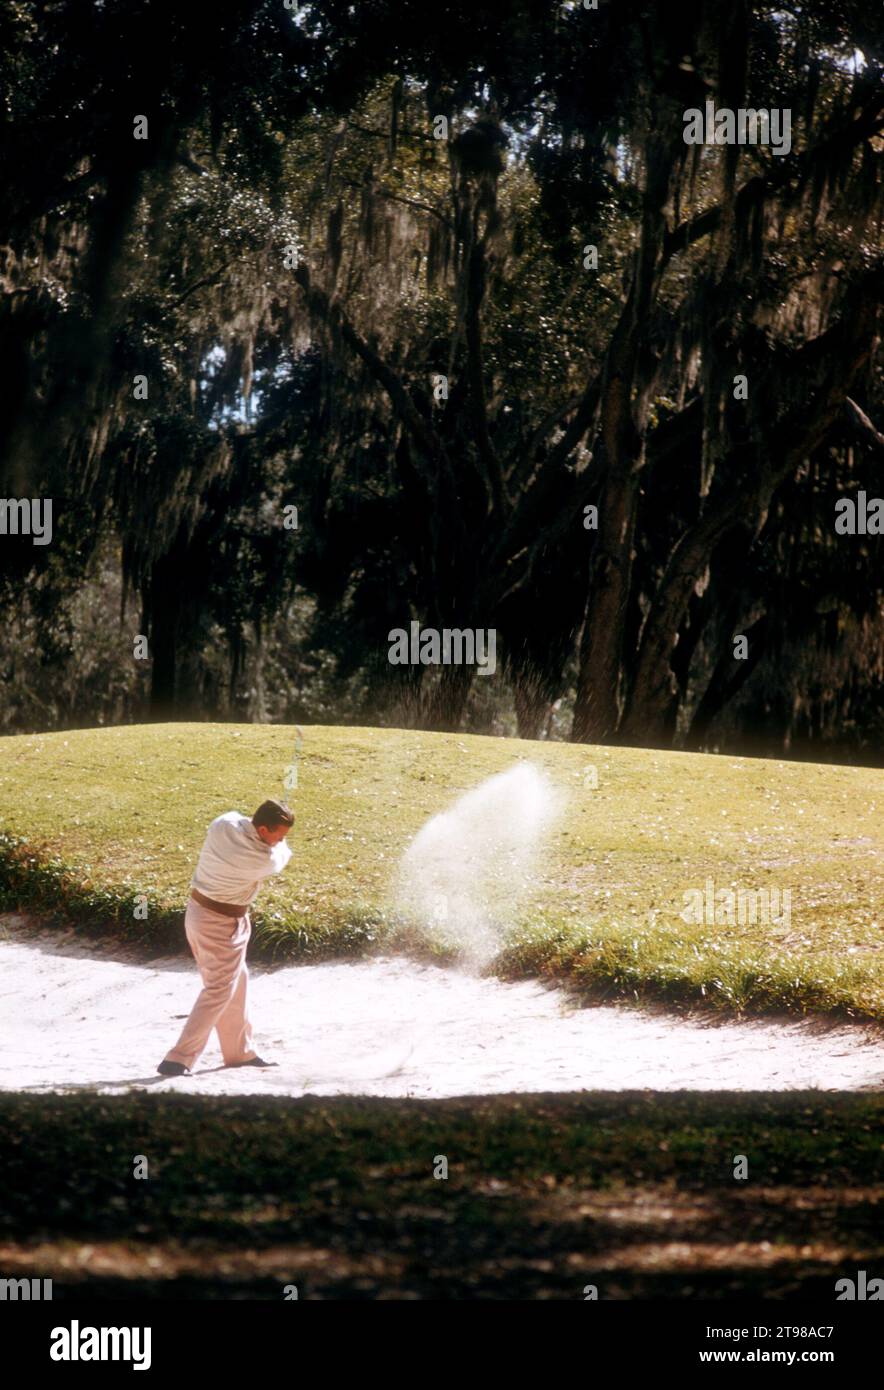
(103, 826)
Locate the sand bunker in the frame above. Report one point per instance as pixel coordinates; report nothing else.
(76, 1014)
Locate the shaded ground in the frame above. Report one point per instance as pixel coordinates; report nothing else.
(545, 1194)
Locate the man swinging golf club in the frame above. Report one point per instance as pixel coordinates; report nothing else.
(237, 855)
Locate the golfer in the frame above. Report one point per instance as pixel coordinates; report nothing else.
(237, 855)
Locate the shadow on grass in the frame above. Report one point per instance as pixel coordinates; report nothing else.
(632, 1192)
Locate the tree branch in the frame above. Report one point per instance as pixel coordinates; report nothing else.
(863, 427)
(429, 445)
(870, 122)
(842, 350)
(198, 284)
(524, 453)
(408, 202)
(478, 401)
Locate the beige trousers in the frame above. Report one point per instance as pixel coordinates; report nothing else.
(219, 946)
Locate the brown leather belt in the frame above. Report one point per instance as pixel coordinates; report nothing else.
(228, 909)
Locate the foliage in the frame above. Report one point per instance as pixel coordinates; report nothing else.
(461, 256)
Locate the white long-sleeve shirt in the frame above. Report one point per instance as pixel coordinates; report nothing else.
(234, 860)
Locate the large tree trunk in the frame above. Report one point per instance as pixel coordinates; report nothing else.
(596, 707)
(539, 622)
(443, 709)
(175, 609)
(533, 707)
(628, 384)
(834, 359)
(726, 681)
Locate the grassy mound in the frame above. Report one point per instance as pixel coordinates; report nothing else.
(102, 825)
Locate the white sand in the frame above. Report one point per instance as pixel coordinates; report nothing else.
(76, 1014)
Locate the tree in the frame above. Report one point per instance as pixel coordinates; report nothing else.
(479, 379)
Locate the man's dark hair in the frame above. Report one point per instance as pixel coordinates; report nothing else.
(273, 814)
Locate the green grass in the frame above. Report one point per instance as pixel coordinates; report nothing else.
(91, 819)
(544, 1194)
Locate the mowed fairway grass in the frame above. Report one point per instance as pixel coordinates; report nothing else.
(94, 822)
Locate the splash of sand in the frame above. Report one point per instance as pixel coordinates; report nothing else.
(469, 869)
